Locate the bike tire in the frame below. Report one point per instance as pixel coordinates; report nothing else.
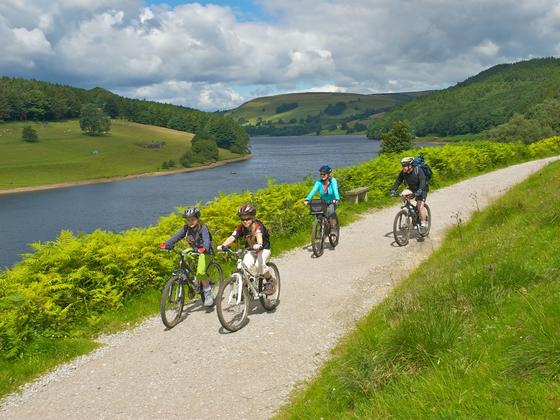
(401, 228)
(215, 277)
(336, 230)
(270, 302)
(172, 302)
(317, 237)
(232, 315)
(423, 232)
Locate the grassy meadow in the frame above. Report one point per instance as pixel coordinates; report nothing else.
(64, 154)
(472, 333)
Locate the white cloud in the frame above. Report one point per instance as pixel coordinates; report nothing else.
(203, 55)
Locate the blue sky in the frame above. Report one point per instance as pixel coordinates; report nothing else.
(219, 54)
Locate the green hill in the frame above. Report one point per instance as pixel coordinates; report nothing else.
(479, 103)
(304, 113)
(64, 154)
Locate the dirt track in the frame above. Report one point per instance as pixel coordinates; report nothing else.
(198, 371)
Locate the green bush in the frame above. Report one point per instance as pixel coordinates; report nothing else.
(68, 283)
(29, 134)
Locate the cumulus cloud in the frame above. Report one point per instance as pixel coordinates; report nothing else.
(205, 56)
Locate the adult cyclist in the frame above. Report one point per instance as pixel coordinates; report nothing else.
(416, 181)
(327, 186)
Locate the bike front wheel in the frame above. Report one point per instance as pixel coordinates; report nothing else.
(271, 301)
(401, 228)
(232, 303)
(317, 237)
(425, 231)
(172, 302)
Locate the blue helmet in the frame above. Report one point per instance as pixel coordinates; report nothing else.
(325, 169)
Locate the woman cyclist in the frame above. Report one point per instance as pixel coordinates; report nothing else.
(198, 237)
(327, 187)
(257, 240)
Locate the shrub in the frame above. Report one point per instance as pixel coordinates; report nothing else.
(29, 134)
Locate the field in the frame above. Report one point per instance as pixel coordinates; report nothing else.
(472, 333)
(311, 104)
(64, 154)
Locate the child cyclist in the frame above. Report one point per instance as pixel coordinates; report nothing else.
(198, 237)
(257, 240)
(327, 186)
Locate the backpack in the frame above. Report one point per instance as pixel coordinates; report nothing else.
(419, 162)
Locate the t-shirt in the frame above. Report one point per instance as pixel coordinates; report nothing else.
(249, 233)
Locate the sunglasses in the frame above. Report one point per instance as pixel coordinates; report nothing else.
(245, 219)
(323, 173)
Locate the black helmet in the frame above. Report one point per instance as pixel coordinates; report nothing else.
(192, 212)
(246, 210)
(326, 169)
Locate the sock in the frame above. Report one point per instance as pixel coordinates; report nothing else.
(207, 289)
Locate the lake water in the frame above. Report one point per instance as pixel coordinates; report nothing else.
(39, 216)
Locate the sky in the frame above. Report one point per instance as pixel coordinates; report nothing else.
(215, 55)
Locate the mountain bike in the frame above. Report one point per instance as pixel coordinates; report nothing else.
(321, 227)
(173, 295)
(408, 218)
(236, 293)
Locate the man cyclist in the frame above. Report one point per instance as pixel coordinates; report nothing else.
(417, 183)
(327, 186)
(198, 237)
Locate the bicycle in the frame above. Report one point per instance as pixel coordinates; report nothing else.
(173, 295)
(236, 293)
(322, 227)
(408, 218)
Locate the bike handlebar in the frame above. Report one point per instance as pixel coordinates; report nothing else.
(182, 253)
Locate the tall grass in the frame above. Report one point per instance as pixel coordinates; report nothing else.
(472, 333)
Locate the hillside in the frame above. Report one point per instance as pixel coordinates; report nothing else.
(32, 100)
(304, 113)
(64, 154)
(479, 103)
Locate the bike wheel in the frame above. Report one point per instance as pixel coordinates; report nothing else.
(172, 302)
(336, 231)
(401, 228)
(425, 231)
(215, 276)
(317, 237)
(270, 302)
(232, 303)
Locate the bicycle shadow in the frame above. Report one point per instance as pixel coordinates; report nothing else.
(255, 308)
(414, 235)
(193, 306)
(327, 247)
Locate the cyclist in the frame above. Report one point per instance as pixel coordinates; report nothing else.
(198, 237)
(257, 240)
(327, 186)
(417, 183)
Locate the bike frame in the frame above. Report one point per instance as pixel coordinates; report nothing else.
(243, 273)
(411, 209)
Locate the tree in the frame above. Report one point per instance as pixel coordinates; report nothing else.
(93, 120)
(29, 134)
(397, 139)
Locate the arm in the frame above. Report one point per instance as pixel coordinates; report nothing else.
(177, 237)
(421, 179)
(313, 191)
(205, 237)
(398, 181)
(232, 238)
(335, 189)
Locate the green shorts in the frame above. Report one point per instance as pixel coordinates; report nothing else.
(203, 261)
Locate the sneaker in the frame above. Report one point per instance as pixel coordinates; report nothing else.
(332, 236)
(208, 299)
(423, 224)
(270, 286)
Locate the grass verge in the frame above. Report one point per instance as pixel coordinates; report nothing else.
(472, 333)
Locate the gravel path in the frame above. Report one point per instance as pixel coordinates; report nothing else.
(197, 371)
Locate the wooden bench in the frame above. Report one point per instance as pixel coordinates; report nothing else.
(357, 194)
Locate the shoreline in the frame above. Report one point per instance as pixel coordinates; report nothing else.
(59, 185)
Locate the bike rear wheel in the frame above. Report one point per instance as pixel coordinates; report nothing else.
(232, 303)
(336, 231)
(425, 231)
(401, 228)
(270, 302)
(172, 302)
(317, 237)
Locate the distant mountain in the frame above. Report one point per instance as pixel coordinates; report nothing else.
(306, 113)
(479, 103)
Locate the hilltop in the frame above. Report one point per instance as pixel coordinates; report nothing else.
(310, 113)
(479, 103)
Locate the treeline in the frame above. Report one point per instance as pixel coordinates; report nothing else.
(482, 102)
(22, 99)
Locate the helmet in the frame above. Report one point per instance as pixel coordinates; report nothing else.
(407, 161)
(246, 210)
(191, 212)
(325, 169)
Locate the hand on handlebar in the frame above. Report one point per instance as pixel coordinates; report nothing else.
(164, 247)
(306, 202)
(257, 247)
